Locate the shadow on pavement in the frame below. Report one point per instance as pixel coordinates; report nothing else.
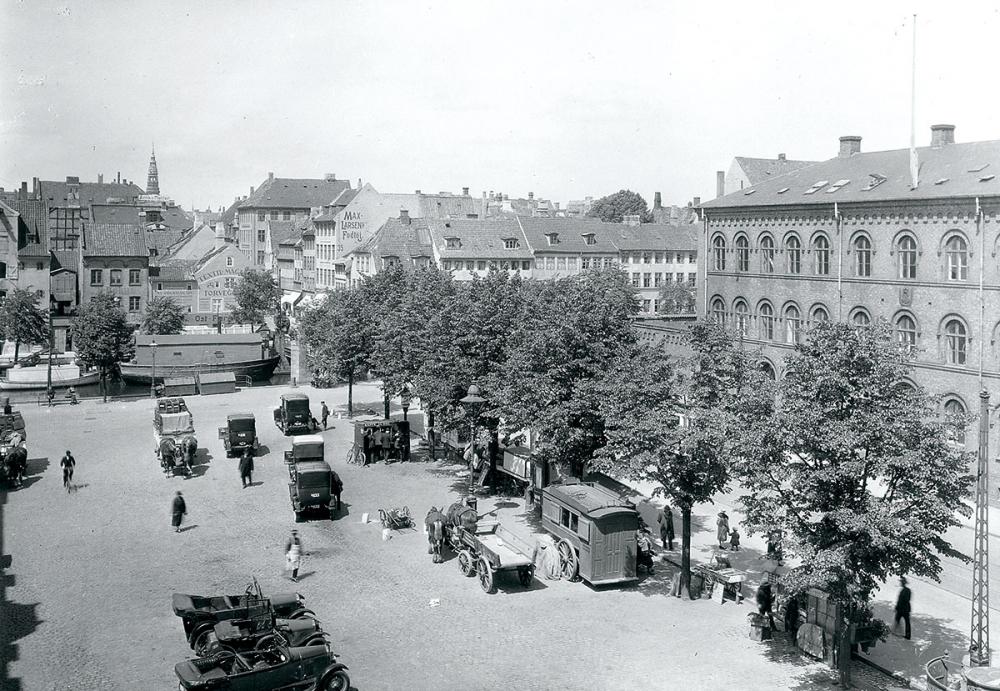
(931, 637)
(16, 620)
(185, 528)
(199, 465)
(33, 471)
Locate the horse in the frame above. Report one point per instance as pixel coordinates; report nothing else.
(168, 452)
(189, 447)
(461, 515)
(16, 464)
(435, 523)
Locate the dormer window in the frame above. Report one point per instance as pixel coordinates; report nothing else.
(553, 238)
(589, 239)
(511, 244)
(453, 243)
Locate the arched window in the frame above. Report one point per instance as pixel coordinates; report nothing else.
(719, 249)
(954, 408)
(957, 252)
(862, 256)
(766, 321)
(819, 314)
(718, 310)
(742, 254)
(793, 249)
(767, 254)
(821, 255)
(956, 341)
(906, 332)
(860, 317)
(741, 311)
(768, 369)
(906, 256)
(793, 320)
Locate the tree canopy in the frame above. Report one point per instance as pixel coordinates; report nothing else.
(163, 316)
(614, 207)
(22, 321)
(102, 336)
(257, 295)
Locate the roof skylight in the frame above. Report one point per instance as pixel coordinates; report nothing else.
(986, 178)
(749, 191)
(941, 181)
(836, 186)
(980, 168)
(782, 190)
(817, 187)
(876, 180)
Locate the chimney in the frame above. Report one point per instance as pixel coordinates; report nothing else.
(720, 183)
(36, 188)
(657, 200)
(416, 192)
(942, 135)
(359, 183)
(465, 191)
(251, 190)
(781, 157)
(849, 145)
(270, 177)
(100, 178)
(531, 195)
(697, 201)
(505, 197)
(220, 236)
(404, 217)
(482, 208)
(23, 194)
(119, 179)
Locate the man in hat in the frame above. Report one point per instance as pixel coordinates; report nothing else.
(178, 509)
(246, 468)
(723, 529)
(68, 464)
(293, 555)
(903, 608)
(324, 413)
(666, 521)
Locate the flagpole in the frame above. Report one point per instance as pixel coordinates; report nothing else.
(914, 165)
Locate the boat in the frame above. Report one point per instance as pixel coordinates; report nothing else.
(257, 370)
(37, 378)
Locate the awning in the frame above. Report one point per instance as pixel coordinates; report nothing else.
(290, 298)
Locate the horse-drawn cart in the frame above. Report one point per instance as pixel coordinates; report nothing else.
(13, 449)
(173, 435)
(489, 550)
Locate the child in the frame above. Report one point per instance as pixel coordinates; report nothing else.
(734, 540)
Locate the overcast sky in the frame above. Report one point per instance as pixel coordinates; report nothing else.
(565, 99)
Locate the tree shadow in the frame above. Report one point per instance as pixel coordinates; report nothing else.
(18, 620)
(931, 637)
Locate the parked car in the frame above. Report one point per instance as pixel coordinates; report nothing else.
(281, 667)
(312, 486)
(259, 633)
(240, 433)
(293, 415)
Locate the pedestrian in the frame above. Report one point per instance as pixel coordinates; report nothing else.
(7, 410)
(366, 444)
(246, 468)
(178, 509)
(792, 618)
(68, 463)
(397, 445)
(336, 487)
(666, 521)
(385, 439)
(293, 555)
(903, 608)
(765, 602)
(324, 412)
(734, 540)
(722, 531)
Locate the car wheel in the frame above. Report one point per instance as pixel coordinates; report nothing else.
(201, 642)
(338, 681)
(315, 639)
(302, 614)
(268, 641)
(298, 517)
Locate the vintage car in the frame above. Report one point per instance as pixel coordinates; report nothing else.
(313, 485)
(307, 448)
(258, 633)
(293, 415)
(200, 613)
(281, 667)
(239, 434)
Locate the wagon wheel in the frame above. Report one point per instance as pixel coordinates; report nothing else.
(486, 577)
(383, 517)
(569, 565)
(525, 575)
(465, 563)
(268, 641)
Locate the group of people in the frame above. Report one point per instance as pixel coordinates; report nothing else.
(383, 444)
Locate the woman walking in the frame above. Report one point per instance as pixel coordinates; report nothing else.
(178, 509)
(723, 529)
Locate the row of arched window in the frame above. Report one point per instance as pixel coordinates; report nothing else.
(788, 325)
(905, 249)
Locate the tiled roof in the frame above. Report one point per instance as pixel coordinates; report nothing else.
(65, 259)
(570, 234)
(655, 236)
(114, 240)
(173, 216)
(162, 239)
(398, 239)
(55, 193)
(479, 239)
(294, 193)
(446, 206)
(345, 197)
(34, 221)
(178, 270)
(33, 250)
(954, 170)
(281, 231)
(760, 169)
(229, 215)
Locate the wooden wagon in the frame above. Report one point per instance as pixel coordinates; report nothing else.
(595, 531)
(490, 550)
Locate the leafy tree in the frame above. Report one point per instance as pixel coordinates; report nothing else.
(641, 401)
(614, 207)
(102, 336)
(676, 298)
(257, 296)
(22, 321)
(857, 470)
(163, 317)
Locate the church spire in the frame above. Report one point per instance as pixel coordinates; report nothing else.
(153, 179)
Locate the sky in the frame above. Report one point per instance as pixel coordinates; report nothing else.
(563, 99)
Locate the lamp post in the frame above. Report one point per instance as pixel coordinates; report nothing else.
(404, 400)
(152, 380)
(472, 401)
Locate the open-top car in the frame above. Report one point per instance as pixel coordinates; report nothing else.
(281, 667)
(200, 613)
(259, 633)
(239, 434)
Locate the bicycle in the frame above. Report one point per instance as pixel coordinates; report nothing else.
(355, 456)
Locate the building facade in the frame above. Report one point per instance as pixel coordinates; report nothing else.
(114, 259)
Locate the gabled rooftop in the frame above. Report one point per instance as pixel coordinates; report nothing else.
(114, 240)
(294, 193)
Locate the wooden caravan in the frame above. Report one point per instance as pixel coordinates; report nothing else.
(595, 529)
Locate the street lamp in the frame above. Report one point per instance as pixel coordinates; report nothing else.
(404, 399)
(472, 401)
(152, 380)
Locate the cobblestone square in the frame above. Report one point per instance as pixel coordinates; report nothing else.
(87, 603)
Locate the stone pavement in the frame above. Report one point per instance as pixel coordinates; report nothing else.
(86, 596)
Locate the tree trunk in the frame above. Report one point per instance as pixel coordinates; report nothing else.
(685, 589)
(431, 434)
(17, 348)
(350, 394)
(104, 382)
(385, 401)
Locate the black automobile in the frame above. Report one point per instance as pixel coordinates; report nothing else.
(239, 434)
(281, 667)
(293, 415)
(260, 633)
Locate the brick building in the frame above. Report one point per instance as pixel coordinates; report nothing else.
(854, 239)
(114, 259)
